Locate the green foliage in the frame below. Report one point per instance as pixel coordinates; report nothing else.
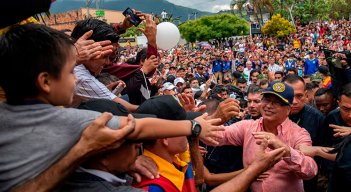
(313, 10)
(133, 31)
(279, 27)
(340, 9)
(281, 7)
(213, 27)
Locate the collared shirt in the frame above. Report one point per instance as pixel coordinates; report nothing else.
(287, 175)
(103, 175)
(88, 87)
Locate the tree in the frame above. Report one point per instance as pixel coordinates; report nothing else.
(279, 27)
(340, 9)
(313, 10)
(133, 31)
(213, 27)
(237, 5)
(261, 6)
(254, 7)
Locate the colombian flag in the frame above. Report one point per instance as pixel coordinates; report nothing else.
(327, 83)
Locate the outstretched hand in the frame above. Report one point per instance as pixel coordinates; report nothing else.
(272, 140)
(188, 103)
(340, 131)
(227, 109)
(150, 30)
(266, 160)
(126, 24)
(210, 131)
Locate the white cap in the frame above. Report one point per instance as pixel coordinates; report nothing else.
(167, 86)
(178, 80)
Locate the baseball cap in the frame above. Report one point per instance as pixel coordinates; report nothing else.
(239, 64)
(167, 86)
(178, 80)
(324, 70)
(281, 90)
(236, 74)
(166, 107)
(170, 78)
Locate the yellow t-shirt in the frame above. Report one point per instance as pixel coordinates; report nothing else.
(297, 44)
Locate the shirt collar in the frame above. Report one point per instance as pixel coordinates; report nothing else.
(168, 170)
(103, 175)
(280, 129)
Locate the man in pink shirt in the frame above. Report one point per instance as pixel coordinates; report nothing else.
(277, 131)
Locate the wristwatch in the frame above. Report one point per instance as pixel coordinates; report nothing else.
(195, 128)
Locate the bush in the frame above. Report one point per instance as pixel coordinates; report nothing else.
(278, 26)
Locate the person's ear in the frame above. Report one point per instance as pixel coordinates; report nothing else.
(289, 109)
(43, 82)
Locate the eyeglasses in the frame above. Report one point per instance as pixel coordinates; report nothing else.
(273, 102)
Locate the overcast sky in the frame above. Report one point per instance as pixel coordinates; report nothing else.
(204, 5)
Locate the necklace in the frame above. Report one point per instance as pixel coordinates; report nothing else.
(210, 154)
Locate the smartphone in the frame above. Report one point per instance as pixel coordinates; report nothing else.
(118, 90)
(134, 19)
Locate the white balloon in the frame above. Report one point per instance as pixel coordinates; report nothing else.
(167, 35)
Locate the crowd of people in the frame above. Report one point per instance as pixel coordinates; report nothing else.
(251, 113)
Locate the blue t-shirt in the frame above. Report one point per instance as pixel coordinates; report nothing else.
(311, 66)
(227, 65)
(217, 66)
(290, 64)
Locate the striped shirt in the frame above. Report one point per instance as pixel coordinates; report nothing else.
(88, 87)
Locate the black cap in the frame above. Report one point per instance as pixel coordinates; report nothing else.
(166, 107)
(324, 70)
(170, 78)
(236, 74)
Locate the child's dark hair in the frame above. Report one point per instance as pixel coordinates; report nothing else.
(26, 51)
